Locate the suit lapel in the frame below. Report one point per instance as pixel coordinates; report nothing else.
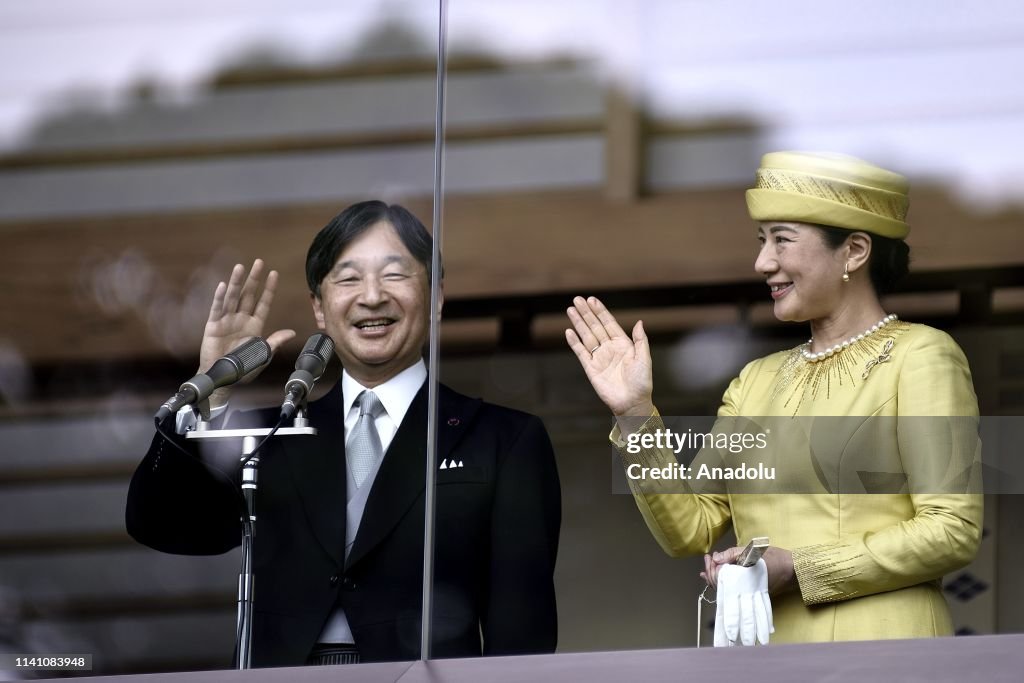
(401, 479)
(319, 472)
(455, 412)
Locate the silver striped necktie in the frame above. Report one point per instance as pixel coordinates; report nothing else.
(364, 449)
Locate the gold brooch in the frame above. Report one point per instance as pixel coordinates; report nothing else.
(882, 358)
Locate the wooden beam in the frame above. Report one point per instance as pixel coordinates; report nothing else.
(66, 474)
(624, 127)
(96, 290)
(117, 606)
(248, 77)
(623, 146)
(163, 153)
(47, 544)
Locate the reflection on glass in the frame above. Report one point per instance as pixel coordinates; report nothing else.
(592, 148)
(605, 150)
(148, 151)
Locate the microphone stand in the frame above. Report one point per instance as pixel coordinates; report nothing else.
(250, 465)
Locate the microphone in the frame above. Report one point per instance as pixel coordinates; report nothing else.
(228, 369)
(309, 366)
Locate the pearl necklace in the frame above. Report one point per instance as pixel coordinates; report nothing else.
(827, 353)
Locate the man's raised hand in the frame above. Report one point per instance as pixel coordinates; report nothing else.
(239, 312)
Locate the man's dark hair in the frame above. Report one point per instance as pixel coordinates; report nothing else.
(890, 258)
(354, 221)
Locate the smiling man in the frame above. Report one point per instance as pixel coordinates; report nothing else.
(341, 515)
(367, 273)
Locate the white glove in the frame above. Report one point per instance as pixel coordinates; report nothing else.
(743, 610)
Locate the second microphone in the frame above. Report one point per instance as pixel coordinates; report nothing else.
(309, 367)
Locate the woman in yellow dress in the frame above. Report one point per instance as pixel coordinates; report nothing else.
(845, 563)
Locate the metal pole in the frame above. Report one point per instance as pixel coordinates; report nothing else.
(246, 575)
(246, 580)
(435, 315)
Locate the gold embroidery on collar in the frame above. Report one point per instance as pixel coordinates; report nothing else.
(799, 379)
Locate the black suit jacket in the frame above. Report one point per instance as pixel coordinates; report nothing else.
(496, 534)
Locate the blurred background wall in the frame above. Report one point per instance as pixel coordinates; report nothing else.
(592, 147)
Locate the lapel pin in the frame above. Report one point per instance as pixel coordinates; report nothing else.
(453, 421)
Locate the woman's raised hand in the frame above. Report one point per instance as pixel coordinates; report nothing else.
(618, 365)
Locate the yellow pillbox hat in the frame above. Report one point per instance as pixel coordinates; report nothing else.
(830, 189)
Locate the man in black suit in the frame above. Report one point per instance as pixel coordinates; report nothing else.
(338, 550)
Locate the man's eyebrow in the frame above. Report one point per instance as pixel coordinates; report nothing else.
(351, 263)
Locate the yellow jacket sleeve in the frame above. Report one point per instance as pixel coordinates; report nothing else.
(935, 398)
(682, 523)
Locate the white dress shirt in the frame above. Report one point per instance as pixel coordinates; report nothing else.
(395, 395)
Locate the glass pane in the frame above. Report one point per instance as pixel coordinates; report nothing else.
(147, 148)
(604, 148)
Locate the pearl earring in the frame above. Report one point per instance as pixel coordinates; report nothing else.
(846, 273)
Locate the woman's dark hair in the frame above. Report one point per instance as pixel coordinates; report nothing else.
(889, 262)
(354, 221)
